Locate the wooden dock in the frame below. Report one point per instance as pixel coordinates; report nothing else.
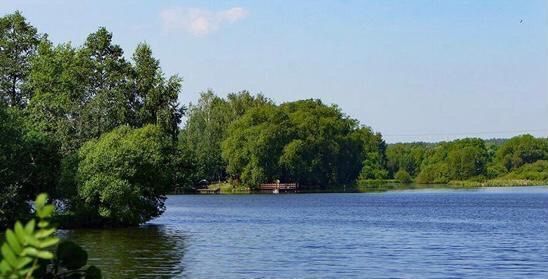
(208, 191)
(282, 187)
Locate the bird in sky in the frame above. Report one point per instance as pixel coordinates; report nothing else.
(521, 21)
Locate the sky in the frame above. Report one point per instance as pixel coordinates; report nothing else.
(412, 70)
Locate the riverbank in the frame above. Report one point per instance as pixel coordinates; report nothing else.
(378, 185)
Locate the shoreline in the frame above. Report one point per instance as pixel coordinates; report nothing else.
(379, 186)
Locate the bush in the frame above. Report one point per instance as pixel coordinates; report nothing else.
(520, 150)
(403, 177)
(536, 171)
(123, 176)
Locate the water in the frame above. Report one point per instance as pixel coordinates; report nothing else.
(482, 233)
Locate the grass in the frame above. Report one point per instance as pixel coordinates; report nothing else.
(228, 188)
(497, 182)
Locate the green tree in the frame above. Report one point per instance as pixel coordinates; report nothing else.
(57, 79)
(304, 141)
(107, 85)
(520, 150)
(155, 99)
(456, 160)
(18, 43)
(124, 175)
(28, 164)
(403, 177)
(405, 156)
(330, 149)
(206, 126)
(254, 144)
(537, 171)
(373, 154)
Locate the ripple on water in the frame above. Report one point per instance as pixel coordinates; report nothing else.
(486, 233)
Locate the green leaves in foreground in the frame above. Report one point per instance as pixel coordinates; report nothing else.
(27, 251)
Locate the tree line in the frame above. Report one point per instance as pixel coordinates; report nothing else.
(95, 130)
(251, 140)
(103, 135)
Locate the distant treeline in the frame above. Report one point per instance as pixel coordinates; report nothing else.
(102, 135)
(250, 140)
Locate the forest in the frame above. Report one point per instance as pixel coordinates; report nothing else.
(102, 132)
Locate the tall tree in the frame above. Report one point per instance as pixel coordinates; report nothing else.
(59, 82)
(373, 154)
(18, 43)
(304, 141)
(108, 85)
(206, 128)
(155, 99)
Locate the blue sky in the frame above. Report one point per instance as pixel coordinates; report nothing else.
(413, 70)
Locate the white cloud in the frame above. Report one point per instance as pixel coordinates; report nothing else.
(200, 22)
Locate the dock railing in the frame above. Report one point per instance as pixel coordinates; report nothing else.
(279, 186)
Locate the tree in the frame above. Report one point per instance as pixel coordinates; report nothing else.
(81, 93)
(405, 156)
(124, 175)
(206, 126)
(107, 85)
(520, 150)
(403, 177)
(28, 164)
(254, 144)
(330, 151)
(58, 80)
(18, 43)
(304, 141)
(456, 160)
(373, 154)
(155, 99)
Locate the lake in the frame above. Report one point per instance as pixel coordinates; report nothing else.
(432, 233)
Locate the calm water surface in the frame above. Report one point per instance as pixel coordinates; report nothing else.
(482, 233)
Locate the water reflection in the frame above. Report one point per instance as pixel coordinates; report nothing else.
(145, 252)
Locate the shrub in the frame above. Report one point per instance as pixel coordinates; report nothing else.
(123, 176)
(403, 177)
(536, 171)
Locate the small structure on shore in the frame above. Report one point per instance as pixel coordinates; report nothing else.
(209, 191)
(278, 187)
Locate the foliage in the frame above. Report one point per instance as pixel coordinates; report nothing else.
(28, 164)
(254, 144)
(124, 175)
(405, 156)
(304, 141)
(26, 253)
(403, 177)
(12, 199)
(81, 93)
(534, 171)
(456, 160)
(373, 154)
(18, 43)
(521, 150)
(206, 128)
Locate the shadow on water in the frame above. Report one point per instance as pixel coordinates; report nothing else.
(145, 252)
